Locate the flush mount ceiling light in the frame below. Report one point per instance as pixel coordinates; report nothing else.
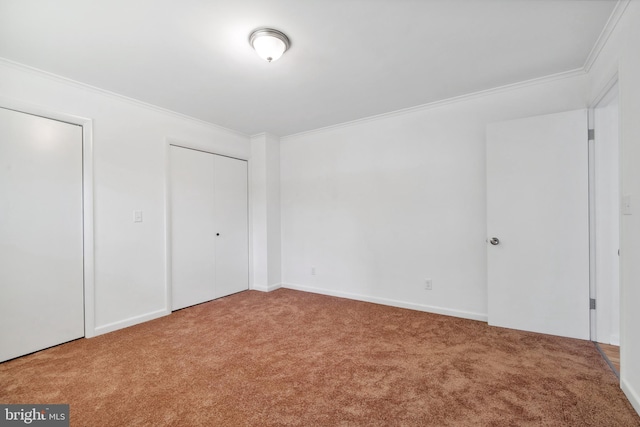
(269, 43)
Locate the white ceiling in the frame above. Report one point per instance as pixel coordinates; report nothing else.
(349, 58)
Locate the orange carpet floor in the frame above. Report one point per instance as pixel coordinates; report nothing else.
(290, 358)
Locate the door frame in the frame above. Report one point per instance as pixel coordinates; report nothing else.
(205, 147)
(87, 197)
(604, 91)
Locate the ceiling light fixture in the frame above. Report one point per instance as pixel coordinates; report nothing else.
(269, 43)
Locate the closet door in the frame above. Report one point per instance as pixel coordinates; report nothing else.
(232, 240)
(192, 227)
(209, 226)
(41, 248)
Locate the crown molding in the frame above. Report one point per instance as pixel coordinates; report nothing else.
(612, 22)
(453, 100)
(114, 95)
(264, 135)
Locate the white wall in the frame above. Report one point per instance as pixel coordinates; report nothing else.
(265, 212)
(129, 142)
(258, 202)
(621, 56)
(274, 249)
(377, 206)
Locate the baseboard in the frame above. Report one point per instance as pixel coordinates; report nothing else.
(130, 321)
(393, 303)
(632, 395)
(615, 340)
(263, 288)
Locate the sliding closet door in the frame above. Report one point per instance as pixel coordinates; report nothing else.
(41, 243)
(232, 247)
(192, 227)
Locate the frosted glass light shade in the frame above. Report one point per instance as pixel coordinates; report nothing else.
(270, 44)
(269, 48)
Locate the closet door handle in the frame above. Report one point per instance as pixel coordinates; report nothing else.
(217, 234)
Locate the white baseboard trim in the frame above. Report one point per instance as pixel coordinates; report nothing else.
(615, 340)
(130, 322)
(263, 288)
(393, 303)
(632, 395)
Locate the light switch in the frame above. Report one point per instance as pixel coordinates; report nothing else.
(137, 216)
(626, 205)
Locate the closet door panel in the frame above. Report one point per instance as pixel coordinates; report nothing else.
(192, 227)
(41, 247)
(232, 240)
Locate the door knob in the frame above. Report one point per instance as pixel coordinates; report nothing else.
(494, 241)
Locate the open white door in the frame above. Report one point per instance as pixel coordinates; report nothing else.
(538, 212)
(41, 237)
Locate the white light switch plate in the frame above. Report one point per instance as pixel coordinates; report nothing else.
(137, 216)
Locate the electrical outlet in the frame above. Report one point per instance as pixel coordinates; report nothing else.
(313, 271)
(428, 284)
(626, 205)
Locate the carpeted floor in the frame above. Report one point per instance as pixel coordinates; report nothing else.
(300, 359)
